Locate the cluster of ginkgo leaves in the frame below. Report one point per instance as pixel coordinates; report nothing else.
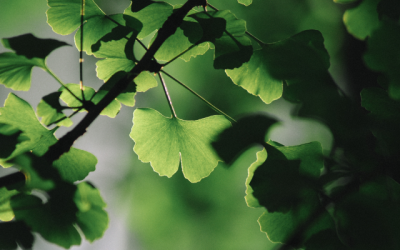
(347, 200)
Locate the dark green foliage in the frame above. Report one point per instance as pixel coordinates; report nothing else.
(347, 198)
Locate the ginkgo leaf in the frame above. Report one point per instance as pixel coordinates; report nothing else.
(280, 182)
(30, 51)
(138, 5)
(30, 46)
(382, 46)
(90, 95)
(363, 19)
(166, 142)
(51, 111)
(91, 218)
(245, 2)
(152, 16)
(19, 113)
(64, 18)
(10, 136)
(6, 213)
(227, 33)
(15, 70)
(15, 235)
(250, 199)
(300, 56)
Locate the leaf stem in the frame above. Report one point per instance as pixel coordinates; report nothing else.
(167, 94)
(81, 52)
(201, 98)
(176, 57)
(62, 84)
(261, 43)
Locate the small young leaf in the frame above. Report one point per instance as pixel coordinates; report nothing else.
(245, 2)
(166, 142)
(51, 111)
(363, 19)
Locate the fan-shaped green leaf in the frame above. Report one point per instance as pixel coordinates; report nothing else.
(51, 111)
(165, 142)
(91, 218)
(300, 56)
(15, 70)
(227, 33)
(383, 55)
(20, 114)
(363, 19)
(6, 213)
(30, 46)
(152, 16)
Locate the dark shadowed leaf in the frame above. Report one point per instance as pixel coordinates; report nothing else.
(246, 132)
(14, 234)
(30, 46)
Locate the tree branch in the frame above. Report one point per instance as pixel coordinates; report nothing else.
(168, 29)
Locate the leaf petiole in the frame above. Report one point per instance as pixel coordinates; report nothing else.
(201, 98)
(167, 94)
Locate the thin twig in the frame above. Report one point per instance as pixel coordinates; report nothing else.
(81, 52)
(62, 84)
(201, 98)
(167, 94)
(176, 57)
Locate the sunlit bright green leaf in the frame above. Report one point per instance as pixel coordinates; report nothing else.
(152, 17)
(19, 113)
(166, 142)
(250, 199)
(15, 70)
(383, 55)
(51, 111)
(363, 19)
(91, 218)
(6, 213)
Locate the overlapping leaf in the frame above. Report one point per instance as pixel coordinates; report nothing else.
(383, 55)
(284, 180)
(6, 213)
(363, 19)
(245, 2)
(18, 113)
(30, 51)
(14, 235)
(64, 18)
(298, 57)
(51, 111)
(227, 33)
(151, 16)
(166, 142)
(68, 207)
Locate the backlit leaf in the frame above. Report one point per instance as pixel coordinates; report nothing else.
(383, 55)
(51, 111)
(19, 113)
(245, 2)
(363, 19)
(6, 213)
(152, 17)
(166, 142)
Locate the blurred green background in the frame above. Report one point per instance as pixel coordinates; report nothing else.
(149, 212)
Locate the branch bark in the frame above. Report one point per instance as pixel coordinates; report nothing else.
(169, 27)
